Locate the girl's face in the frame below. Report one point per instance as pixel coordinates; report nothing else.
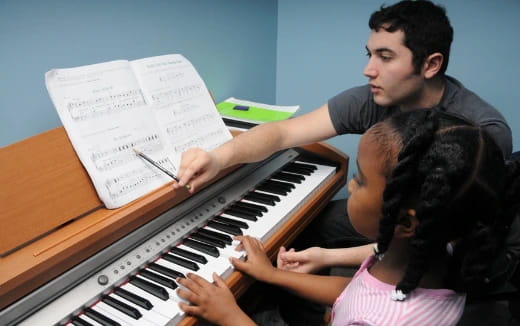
(366, 188)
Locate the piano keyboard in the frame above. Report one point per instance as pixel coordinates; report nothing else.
(138, 286)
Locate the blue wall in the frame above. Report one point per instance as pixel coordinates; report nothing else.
(321, 51)
(231, 43)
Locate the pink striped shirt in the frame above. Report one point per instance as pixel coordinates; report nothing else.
(367, 301)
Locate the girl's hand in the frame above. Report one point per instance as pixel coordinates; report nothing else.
(305, 261)
(213, 302)
(257, 264)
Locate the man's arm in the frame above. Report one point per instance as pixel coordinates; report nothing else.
(198, 166)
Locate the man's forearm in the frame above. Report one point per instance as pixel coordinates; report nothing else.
(251, 146)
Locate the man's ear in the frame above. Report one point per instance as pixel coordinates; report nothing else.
(432, 65)
(406, 225)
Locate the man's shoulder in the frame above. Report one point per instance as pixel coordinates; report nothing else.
(460, 99)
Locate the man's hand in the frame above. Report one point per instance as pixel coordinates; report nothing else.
(197, 167)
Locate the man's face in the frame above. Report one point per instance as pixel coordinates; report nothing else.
(390, 70)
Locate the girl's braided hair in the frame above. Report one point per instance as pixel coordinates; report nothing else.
(454, 176)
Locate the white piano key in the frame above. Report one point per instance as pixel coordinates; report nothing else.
(169, 309)
(115, 315)
(150, 315)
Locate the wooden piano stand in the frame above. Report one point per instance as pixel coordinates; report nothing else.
(52, 218)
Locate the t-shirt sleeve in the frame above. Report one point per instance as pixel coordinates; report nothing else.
(354, 111)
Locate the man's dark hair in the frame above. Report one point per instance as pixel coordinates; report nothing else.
(426, 28)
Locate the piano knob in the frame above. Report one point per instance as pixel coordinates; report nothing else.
(102, 280)
(221, 200)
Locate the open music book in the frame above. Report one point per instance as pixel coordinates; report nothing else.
(157, 105)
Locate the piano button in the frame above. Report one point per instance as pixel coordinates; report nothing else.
(291, 177)
(216, 235)
(202, 247)
(252, 206)
(230, 221)
(188, 254)
(165, 271)
(135, 299)
(165, 308)
(207, 240)
(151, 315)
(181, 262)
(79, 321)
(157, 278)
(240, 214)
(121, 306)
(149, 287)
(100, 318)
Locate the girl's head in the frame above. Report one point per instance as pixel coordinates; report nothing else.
(442, 178)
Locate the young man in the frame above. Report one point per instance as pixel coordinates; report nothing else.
(408, 52)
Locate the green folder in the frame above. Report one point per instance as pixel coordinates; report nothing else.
(251, 113)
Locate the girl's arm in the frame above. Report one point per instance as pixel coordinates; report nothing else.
(316, 258)
(318, 288)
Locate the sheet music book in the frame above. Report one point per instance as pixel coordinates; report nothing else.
(157, 105)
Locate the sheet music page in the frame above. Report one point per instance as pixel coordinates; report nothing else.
(106, 115)
(181, 103)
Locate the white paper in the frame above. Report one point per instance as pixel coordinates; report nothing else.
(158, 105)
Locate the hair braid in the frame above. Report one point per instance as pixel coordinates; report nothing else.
(416, 141)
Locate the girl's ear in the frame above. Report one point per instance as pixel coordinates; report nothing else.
(405, 227)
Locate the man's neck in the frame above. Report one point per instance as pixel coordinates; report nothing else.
(429, 96)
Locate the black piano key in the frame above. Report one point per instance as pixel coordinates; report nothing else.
(190, 255)
(248, 210)
(150, 287)
(168, 282)
(282, 184)
(305, 169)
(202, 247)
(207, 240)
(121, 306)
(240, 214)
(100, 318)
(216, 235)
(181, 262)
(230, 221)
(291, 177)
(251, 206)
(267, 187)
(262, 198)
(306, 166)
(77, 321)
(166, 271)
(228, 228)
(134, 298)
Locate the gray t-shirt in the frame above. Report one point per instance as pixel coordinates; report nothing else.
(354, 111)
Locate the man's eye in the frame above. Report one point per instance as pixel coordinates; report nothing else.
(386, 58)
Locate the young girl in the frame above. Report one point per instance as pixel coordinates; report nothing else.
(435, 193)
